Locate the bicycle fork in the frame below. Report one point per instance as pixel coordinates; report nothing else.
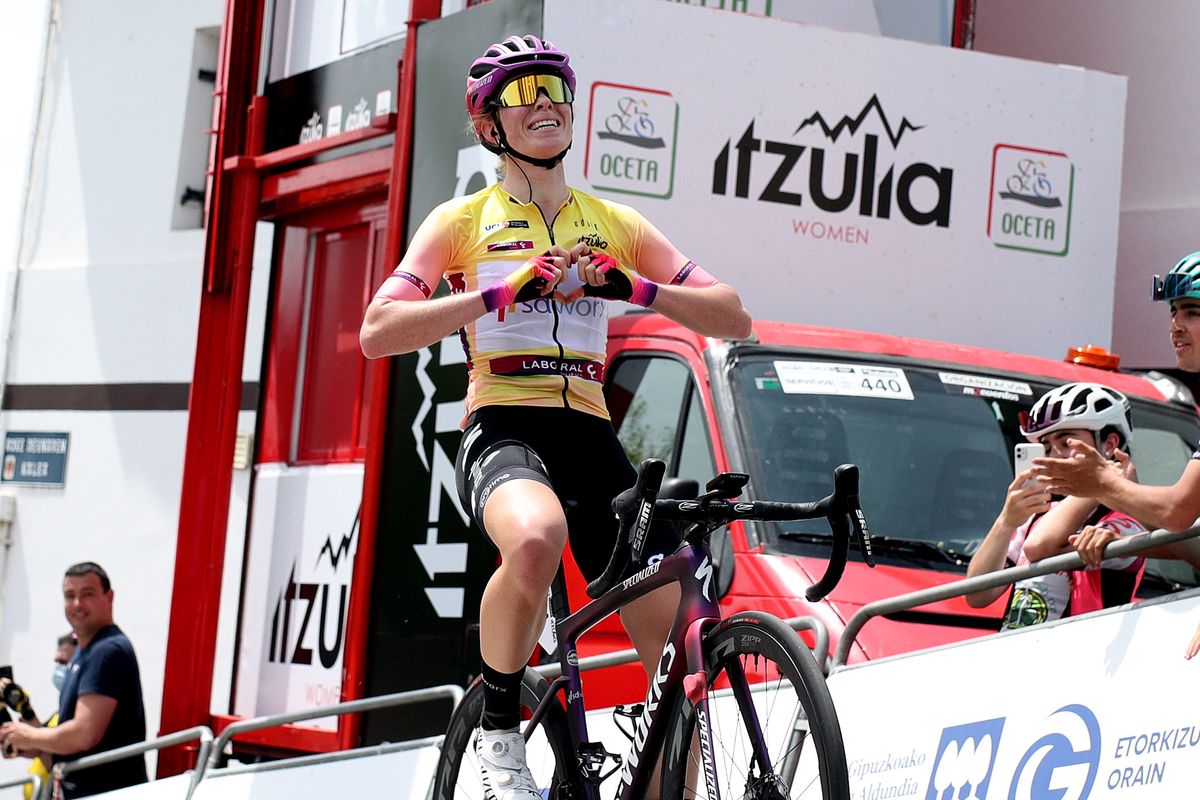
(695, 690)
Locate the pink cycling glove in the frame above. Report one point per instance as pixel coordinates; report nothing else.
(622, 283)
(524, 283)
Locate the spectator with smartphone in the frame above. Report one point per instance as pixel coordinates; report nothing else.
(100, 705)
(1082, 471)
(1035, 523)
(63, 653)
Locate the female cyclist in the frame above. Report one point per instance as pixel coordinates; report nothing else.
(531, 264)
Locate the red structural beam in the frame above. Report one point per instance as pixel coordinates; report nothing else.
(216, 381)
(359, 614)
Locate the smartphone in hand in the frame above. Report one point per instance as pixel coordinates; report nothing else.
(1024, 454)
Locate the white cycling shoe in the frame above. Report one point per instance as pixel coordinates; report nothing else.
(502, 762)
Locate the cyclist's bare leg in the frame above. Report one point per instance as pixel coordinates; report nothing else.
(524, 519)
(648, 621)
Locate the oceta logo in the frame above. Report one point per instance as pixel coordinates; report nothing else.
(866, 180)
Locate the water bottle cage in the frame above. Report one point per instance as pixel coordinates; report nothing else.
(592, 757)
(629, 712)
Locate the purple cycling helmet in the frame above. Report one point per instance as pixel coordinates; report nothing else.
(516, 55)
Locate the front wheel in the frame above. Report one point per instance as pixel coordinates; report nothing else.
(772, 724)
(549, 751)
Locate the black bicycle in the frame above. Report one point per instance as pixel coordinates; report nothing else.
(738, 708)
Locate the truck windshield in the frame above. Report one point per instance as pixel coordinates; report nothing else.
(934, 447)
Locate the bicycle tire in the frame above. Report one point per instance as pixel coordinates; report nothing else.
(550, 749)
(783, 677)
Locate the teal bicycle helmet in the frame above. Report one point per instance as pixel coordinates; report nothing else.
(1182, 281)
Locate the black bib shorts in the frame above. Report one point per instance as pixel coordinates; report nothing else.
(574, 453)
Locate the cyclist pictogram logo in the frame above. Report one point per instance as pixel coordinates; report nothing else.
(1030, 184)
(631, 123)
(1029, 207)
(631, 140)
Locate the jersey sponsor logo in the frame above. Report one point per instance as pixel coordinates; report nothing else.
(518, 366)
(415, 280)
(682, 275)
(594, 240)
(508, 223)
(517, 244)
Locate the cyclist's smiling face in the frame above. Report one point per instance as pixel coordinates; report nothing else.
(541, 130)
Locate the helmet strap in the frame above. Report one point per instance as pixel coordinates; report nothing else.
(502, 147)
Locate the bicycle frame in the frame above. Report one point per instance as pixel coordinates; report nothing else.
(691, 567)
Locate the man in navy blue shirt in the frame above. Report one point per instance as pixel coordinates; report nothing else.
(100, 706)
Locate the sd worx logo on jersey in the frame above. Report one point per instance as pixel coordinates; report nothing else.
(1029, 207)
(849, 166)
(631, 140)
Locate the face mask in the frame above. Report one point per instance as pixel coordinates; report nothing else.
(60, 676)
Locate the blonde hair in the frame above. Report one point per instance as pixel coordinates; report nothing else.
(474, 123)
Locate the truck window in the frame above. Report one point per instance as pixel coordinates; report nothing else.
(935, 447)
(657, 414)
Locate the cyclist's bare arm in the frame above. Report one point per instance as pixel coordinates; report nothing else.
(399, 323)
(714, 310)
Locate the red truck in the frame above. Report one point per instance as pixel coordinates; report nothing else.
(931, 425)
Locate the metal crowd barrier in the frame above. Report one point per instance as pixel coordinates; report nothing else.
(618, 657)
(992, 580)
(29, 780)
(211, 751)
(200, 732)
(453, 693)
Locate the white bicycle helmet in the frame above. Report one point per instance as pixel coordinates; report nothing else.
(1088, 406)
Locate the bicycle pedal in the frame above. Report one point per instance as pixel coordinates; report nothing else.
(631, 712)
(592, 757)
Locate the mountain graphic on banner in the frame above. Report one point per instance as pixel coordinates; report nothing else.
(853, 124)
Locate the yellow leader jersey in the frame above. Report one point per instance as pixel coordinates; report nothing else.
(547, 352)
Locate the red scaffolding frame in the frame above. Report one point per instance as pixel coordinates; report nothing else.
(245, 185)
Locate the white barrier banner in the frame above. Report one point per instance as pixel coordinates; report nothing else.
(853, 180)
(402, 775)
(301, 562)
(1094, 707)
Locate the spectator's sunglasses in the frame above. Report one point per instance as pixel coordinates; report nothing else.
(1171, 287)
(523, 91)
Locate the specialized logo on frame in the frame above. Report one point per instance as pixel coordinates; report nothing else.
(631, 140)
(1030, 203)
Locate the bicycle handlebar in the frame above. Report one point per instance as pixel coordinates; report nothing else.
(635, 509)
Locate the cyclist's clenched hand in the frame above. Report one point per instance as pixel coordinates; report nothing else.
(537, 277)
(604, 277)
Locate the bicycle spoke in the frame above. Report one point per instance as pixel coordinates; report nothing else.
(772, 727)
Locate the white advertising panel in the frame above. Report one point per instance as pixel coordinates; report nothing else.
(406, 774)
(304, 533)
(1094, 707)
(852, 180)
